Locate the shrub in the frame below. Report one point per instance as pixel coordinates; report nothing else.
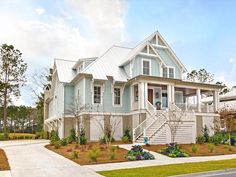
(75, 155)
(232, 141)
(200, 139)
(137, 153)
(206, 133)
(113, 154)
(93, 154)
(173, 150)
(54, 137)
(64, 142)
(82, 137)
(127, 136)
(57, 144)
(72, 137)
(194, 149)
(211, 147)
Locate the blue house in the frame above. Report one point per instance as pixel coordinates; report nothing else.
(129, 88)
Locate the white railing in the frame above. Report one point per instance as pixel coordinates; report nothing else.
(141, 128)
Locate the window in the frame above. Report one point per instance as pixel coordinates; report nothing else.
(78, 96)
(117, 97)
(165, 72)
(97, 94)
(168, 72)
(146, 67)
(136, 93)
(171, 72)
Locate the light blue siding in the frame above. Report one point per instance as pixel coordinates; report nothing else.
(137, 66)
(169, 60)
(68, 98)
(127, 69)
(107, 99)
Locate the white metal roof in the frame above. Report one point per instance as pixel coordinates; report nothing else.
(108, 65)
(64, 70)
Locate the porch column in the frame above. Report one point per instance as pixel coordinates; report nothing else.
(145, 94)
(198, 100)
(142, 95)
(169, 94)
(216, 100)
(63, 127)
(173, 94)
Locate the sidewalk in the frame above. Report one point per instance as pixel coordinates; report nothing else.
(5, 173)
(159, 160)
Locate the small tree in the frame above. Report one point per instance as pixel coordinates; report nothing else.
(174, 119)
(108, 129)
(229, 118)
(12, 76)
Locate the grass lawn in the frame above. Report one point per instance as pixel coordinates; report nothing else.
(169, 170)
(202, 149)
(84, 150)
(3, 161)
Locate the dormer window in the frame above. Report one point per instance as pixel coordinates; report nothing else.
(146, 67)
(168, 72)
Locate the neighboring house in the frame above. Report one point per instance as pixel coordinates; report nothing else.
(227, 100)
(132, 86)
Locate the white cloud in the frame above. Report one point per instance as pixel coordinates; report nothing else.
(41, 40)
(40, 11)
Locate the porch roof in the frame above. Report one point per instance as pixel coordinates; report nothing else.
(177, 82)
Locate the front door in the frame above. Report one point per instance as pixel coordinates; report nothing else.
(150, 96)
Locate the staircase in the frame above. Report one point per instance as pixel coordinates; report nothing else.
(153, 127)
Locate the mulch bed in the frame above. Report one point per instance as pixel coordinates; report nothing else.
(4, 165)
(202, 149)
(83, 153)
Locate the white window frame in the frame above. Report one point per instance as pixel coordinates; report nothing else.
(168, 71)
(101, 96)
(113, 96)
(171, 67)
(150, 66)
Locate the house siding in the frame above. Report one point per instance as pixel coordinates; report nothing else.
(69, 98)
(169, 61)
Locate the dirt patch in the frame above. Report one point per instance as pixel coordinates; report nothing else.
(84, 151)
(201, 149)
(4, 165)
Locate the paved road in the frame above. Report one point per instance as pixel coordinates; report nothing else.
(219, 173)
(31, 159)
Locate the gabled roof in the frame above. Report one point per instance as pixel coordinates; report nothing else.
(145, 42)
(108, 65)
(83, 59)
(64, 70)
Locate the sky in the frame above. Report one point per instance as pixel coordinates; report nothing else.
(201, 32)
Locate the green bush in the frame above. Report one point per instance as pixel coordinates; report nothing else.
(127, 136)
(72, 137)
(54, 137)
(94, 153)
(194, 149)
(64, 142)
(206, 133)
(75, 155)
(173, 150)
(211, 147)
(82, 137)
(57, 144)
(200, 139)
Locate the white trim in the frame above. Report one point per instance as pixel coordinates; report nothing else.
(150, 66)
(101, 96)
(113, 97)
(168, 72)
(84, 91)
(160, 46)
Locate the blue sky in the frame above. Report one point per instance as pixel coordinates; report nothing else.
(201, 32)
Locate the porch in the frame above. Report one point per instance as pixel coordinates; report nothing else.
(161, 95)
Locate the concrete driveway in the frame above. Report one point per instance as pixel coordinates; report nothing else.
(29, 158)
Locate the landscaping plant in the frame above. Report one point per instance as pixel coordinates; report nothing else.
(94, 153)
(75, 155)
(173, 150)
(127, 136)
(137, 153)
(211, 147)
(54, 137)
(194, 149)
(82, 137)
